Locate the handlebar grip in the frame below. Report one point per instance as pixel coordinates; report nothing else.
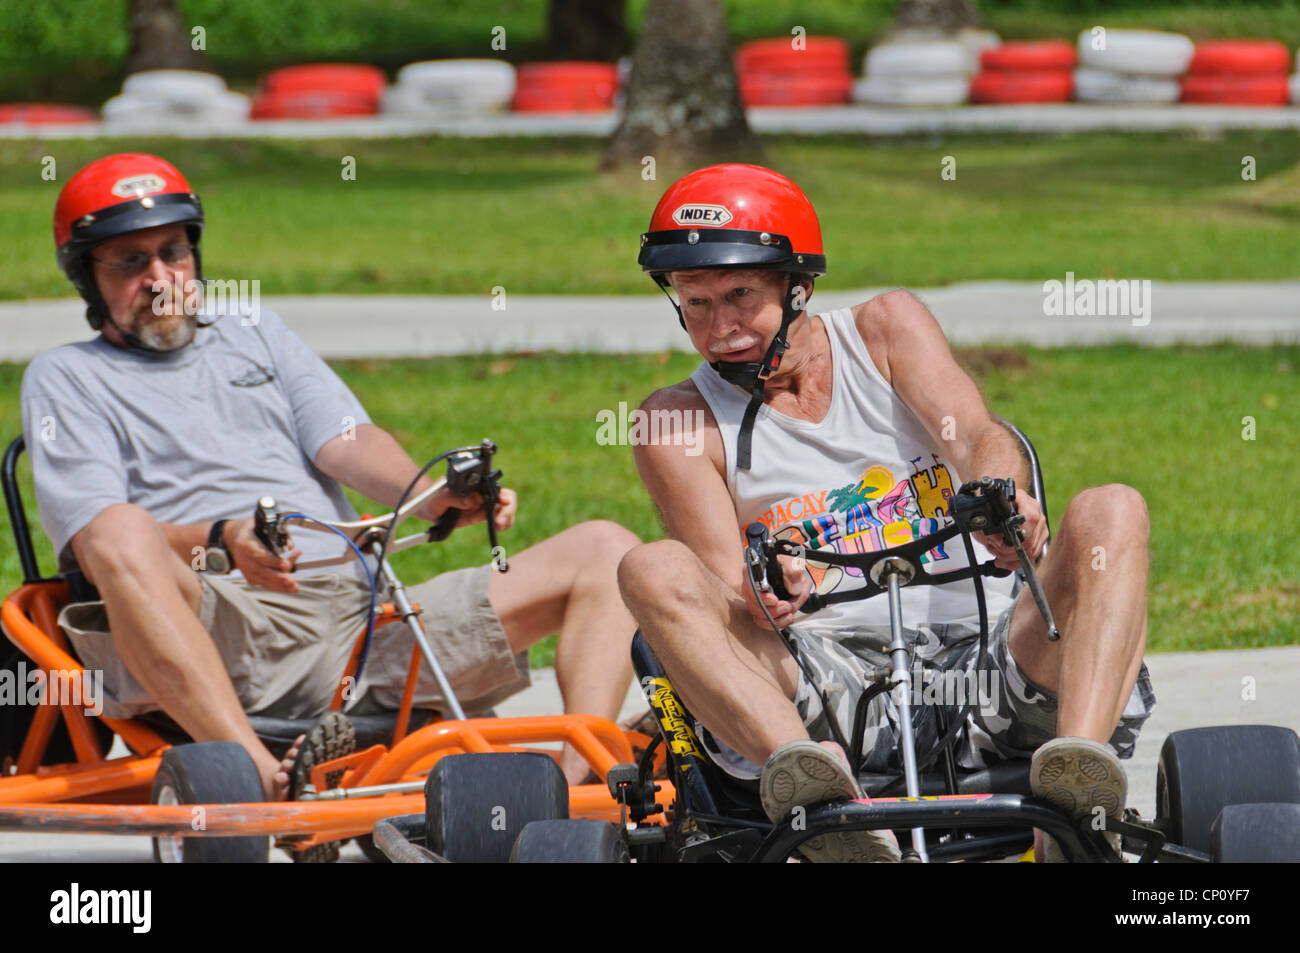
(446, 523)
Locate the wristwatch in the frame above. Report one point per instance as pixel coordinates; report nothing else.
(216, 557)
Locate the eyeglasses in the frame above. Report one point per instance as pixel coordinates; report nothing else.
(174, 254)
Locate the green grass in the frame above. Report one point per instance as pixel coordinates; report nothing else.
(1168, 422)
(463, 216)
(75, 50)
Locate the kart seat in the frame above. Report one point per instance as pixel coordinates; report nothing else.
(1003, 777)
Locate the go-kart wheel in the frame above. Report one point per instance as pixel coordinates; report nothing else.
(210, 772)
(368, 847)
(1256, 833)
(583, 841)
(476, 805)
(1203, 770)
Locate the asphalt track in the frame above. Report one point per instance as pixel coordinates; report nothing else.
(971, 313)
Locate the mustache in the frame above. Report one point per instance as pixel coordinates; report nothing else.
(735, 342)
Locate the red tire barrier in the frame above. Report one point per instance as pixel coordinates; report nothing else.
(355, 78)
(315, 104)
(820, 54)
(812, 90)
(1012, 86)
(1240, 56)
(50, 113)
(565, 87)
(1245, 90)
(1038, 55)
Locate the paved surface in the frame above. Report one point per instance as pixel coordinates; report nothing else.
(971, 313)
(859, 119)
(1193, 689)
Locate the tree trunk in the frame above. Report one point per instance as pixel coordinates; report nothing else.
(682, 102)
(587, 30)
(159, 39)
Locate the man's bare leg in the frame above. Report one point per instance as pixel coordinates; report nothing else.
(568, 583)
(1102, 613)
(735, 677)
(152, 601)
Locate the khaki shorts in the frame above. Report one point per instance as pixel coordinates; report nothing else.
(286, 653)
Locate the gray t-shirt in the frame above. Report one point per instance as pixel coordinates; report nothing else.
(192, 435)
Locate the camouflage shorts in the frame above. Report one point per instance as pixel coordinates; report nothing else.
(1006, 715)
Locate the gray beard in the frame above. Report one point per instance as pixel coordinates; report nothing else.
(175, 337)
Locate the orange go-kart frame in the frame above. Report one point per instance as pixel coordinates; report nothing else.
(112, 796)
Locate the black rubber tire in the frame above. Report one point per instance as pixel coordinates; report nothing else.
(582, 841)
(1256, 834)
(368, 847)
(476, 805)
(211, 772)
(1203, 770)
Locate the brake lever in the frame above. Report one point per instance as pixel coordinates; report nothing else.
(755, 558)
(267, 527)
(472, 472)
(1000, 496)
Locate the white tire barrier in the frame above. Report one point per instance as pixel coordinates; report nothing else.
(459, 84)
(1103, 86)
(917, 59)
(912, 91)
(1145, 52)
(139, 110)
(1295, 88)
(175, 85)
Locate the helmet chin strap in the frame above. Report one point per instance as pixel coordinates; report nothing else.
(755, 374)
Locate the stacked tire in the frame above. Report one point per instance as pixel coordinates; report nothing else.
(161, 100)
(790, 71)
(916, 74)
(565, 87)
(39, 114)
(1040, 71)
(1239, 73)
(450, 88)
(320, 91)
(1131, 66)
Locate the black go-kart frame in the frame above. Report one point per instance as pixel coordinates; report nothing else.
(1222, 793)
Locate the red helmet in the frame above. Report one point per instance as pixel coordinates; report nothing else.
(110, 197)
(733, 216)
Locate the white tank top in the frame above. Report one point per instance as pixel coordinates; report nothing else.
(865, 478)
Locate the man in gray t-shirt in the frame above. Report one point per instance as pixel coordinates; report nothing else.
(151, 443)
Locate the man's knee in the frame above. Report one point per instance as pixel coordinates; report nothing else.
(122, 538)
(1113, 509)
(123, 546)
(607, 542)
(660, 573)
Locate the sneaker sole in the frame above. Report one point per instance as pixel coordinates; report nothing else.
(803, 773)
(1076, 776)
(331, 737)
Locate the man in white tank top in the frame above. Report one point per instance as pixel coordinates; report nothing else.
(851, 431)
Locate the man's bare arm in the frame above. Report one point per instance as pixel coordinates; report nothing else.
(690, 491)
